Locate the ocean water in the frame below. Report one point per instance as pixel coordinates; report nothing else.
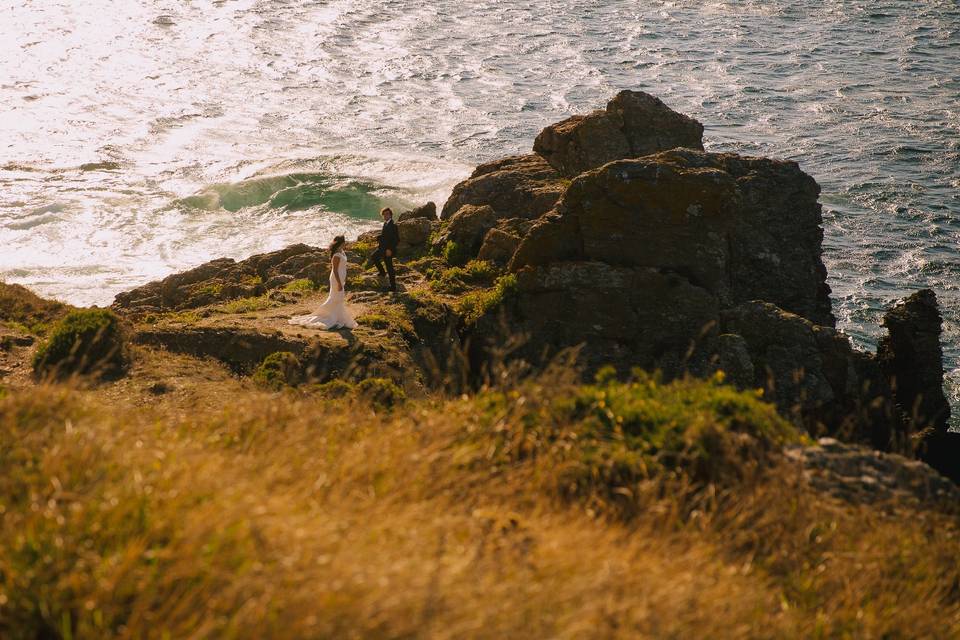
(142, 137)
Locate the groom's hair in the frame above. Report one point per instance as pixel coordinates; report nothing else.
(386, 211)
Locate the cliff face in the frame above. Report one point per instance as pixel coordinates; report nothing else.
(663, 256)
(622, 237)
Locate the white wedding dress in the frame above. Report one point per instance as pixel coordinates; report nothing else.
(332, 314)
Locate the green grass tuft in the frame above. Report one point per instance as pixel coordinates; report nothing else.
(454, 280)
(84, 342)
(455, 254)
(303, 285)
(477, 304)
(245, 305)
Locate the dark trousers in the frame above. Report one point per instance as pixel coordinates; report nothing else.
(380, 257)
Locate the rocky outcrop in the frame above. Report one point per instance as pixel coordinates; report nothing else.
(813, 374)
(468, 227)
(690, 262)
(625, 316)
(227, 279)
(634, 124)
(742, 228)
(861, 476)
(414, 231)
(515, 187)
(911, 356)
(427, 212)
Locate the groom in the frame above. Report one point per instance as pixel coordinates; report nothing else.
(386, 247)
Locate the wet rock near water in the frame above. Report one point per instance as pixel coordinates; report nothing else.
(912, 358)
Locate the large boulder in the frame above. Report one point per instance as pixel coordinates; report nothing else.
(502, 241)
(427, 211)
(742, 228)
(634, 124)
(515, 187)
(498, 246)
(911, 356)
(468, 227)
(414, 231)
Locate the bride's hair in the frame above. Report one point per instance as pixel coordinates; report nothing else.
(336, 244)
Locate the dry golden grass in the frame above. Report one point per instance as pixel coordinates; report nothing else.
(514, 513)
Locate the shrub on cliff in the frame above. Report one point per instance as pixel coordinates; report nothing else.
(455, 254)
(278, 370)
(601, 442)
(84, 342)
(334, 389)
(381, 391)
(455, 280)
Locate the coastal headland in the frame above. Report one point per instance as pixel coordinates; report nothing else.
(609, 399)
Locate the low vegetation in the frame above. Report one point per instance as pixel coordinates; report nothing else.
(543, 509)
(381, 392)
(24, 311)
(477, 304)
(84, 342)
(301, 285)
(455, 280)
(455, 254)
(278, 370)
(245, 305)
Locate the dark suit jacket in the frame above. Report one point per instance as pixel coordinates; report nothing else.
(389, 237)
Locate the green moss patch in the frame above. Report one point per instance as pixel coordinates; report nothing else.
(477, 304)
(603, 441)
(455, 254)
(302, 285)
(454, 280)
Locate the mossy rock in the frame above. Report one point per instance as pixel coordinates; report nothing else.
(334, 389)
(23, 310)
(381, 391)
(476, 304)
(455, 254)
(278, 370)
(84, 342)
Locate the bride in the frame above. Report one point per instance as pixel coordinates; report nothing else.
(332, 314)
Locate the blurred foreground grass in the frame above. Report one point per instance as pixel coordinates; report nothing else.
(547, 509)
